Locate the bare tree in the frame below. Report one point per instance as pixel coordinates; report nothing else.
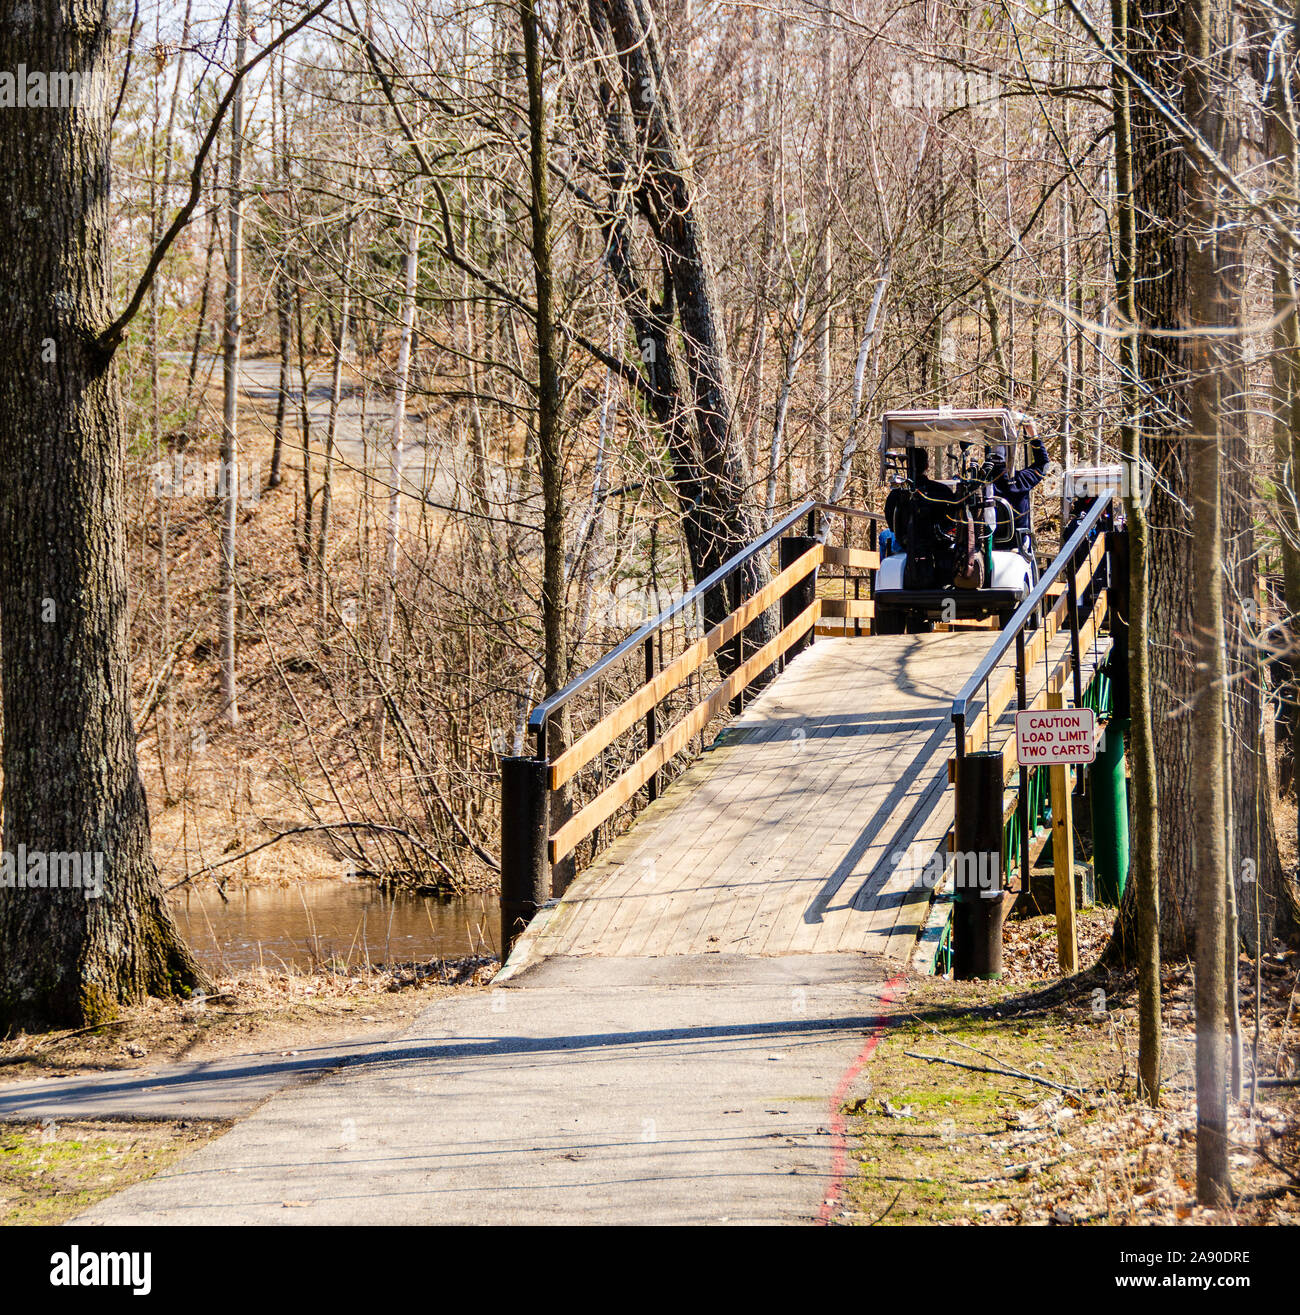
(230, 406)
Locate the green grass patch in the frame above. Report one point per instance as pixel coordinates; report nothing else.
(51, 1172)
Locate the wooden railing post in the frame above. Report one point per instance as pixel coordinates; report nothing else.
(800, 596)
(1072, 606)
(977, 868)
(1067, 936)
(525, 831)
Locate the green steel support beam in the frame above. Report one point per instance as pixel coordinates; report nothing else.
(1110, 814)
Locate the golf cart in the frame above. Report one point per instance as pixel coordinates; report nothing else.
(952, 551)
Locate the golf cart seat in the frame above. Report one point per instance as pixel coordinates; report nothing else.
(1004, 525)
(897, 509)
(932, 510)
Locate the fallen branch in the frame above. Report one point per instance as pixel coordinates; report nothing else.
(1004, 1072)
(326, 826)
(81, 1031)
(160, 681)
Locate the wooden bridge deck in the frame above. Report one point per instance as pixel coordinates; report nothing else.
(782, 839)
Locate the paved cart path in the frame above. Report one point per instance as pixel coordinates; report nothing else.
(434, 465)
(687, 1090)
(222, 1088)
(673, 1042)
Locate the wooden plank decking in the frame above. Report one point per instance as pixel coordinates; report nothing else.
(782, 839)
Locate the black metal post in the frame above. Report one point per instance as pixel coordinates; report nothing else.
(799, 597)
(651, 728)
(977, 868)
(1022, 804)
(525, 833)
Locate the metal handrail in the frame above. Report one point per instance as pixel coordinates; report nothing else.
(538, 717)
(1026, 609)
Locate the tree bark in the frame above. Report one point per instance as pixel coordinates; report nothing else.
(71, 779)
(1141, 914)
(1160, 193)
(821, 472)
(331, 426)
(550, 457)
(230, 406)
(283, 300)
(1211, 393)
(646, 166)
(1274, 48)
(284, 323)
(396, 442)
(776, 452)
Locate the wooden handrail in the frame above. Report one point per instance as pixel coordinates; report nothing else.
(618, 792)
(1001, 695)
(850, 609)
(1054, 684)
(861, 559)
(1083, 576)
(978, 735)
(529, 848)
(1027, 608)
(537, 719)
(609, 728)
(1009, 764)
(1087, 634)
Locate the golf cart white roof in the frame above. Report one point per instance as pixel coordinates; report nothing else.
(947, 425)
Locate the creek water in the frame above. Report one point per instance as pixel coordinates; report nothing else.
(312, 922)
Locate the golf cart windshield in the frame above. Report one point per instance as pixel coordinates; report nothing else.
(950, 431)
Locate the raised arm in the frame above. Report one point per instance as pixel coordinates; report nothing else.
(1023, 481)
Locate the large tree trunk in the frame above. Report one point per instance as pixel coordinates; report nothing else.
(1161, 198)
(71, 782)
(647, 168)
(1138, 928)
(549, 403)
(651, 324)
(1214, 402)
(1274, 47)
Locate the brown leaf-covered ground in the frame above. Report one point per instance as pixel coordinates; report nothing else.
(255, 1012)
(1042, 1125)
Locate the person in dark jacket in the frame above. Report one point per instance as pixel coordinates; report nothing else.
(1017, 487)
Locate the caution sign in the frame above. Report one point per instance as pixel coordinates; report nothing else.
(1055, 736)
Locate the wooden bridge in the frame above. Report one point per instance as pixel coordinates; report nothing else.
(818, 817)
